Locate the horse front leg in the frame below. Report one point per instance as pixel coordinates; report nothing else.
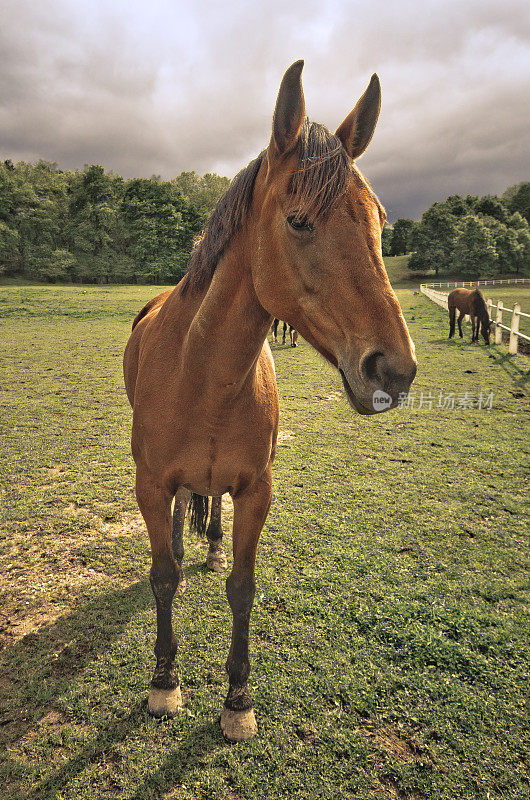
(216, 558)
(460, 317)
(251, 507)
(155, 504)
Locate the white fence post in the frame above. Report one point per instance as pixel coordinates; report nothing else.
(498, 323)
(514, 328)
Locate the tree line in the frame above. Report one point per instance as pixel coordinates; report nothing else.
(473, 237)
(94, 226)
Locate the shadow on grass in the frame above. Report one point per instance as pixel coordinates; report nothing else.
(41, 666)
(455, 340)
(505, 361)
(202, 741)
(111, 735)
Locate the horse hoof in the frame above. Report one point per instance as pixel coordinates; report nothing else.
(181, 588)
(238, 726)
(217, 562)
(164, 702)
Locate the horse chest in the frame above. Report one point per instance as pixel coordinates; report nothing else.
(212, 452)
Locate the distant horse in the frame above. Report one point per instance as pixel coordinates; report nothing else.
(469, 301)
(293, 334)
(296, 236)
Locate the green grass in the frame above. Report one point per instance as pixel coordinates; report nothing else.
(398, 272)
(389, 638)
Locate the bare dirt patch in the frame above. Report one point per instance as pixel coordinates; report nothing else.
(285, 436)
(397, 745)
(391, 792)
(227, 510)
(44, 574)
(57, 469)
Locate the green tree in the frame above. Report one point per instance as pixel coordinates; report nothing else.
(506, 244)
(61, 266)
(386, 240)
(523, 259)
(401, 237)
(434, 240)
(9, 248)
(160, 226)
(459, 206)
(202, 193)
(517, 198)
(94, 229)
(492, 206)
(474, 251)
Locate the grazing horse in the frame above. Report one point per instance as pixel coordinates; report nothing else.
(469, 301)
(293, 334)
(296, 236)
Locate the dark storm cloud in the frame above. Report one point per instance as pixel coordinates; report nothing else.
(162, 87)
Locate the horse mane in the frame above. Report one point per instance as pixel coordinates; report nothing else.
(319, 178)
(479, 307)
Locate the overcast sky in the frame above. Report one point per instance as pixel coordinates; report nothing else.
(169, 85)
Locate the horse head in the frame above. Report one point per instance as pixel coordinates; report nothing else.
(317, 262)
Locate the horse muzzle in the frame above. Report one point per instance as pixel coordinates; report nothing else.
(378, 383)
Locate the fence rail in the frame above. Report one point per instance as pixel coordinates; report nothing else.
(440, 298)
(492, 282)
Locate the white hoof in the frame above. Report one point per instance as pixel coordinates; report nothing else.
(164, 702)
(238, 726)
(217, 561)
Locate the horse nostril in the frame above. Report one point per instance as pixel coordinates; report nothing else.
(386, 373)
(371, 366)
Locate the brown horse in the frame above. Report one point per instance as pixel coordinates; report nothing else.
(469, 301)
(297, 236)
(293, 335)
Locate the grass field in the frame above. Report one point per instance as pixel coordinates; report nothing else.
(389, 638)
(399, 273)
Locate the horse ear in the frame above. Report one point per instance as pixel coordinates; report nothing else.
(358, 128)
(290, 110)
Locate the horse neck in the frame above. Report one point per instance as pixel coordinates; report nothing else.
(227, 333)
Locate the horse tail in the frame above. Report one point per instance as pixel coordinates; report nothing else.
(199, 507)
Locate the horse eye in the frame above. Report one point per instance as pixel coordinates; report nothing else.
(300, 224)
